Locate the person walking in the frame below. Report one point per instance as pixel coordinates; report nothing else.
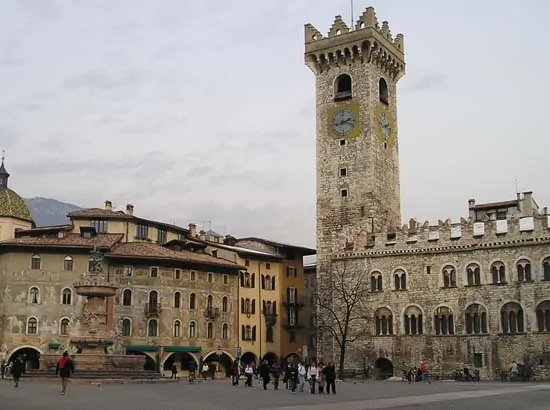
(302, 376)
(263, 371)
(276, 373)
(249, 372)
(65, 367)
(321, 377)
(17, 369)
(313, 374)
(330, 377)
(292, 377)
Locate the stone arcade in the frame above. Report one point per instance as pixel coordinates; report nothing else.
(474, 293)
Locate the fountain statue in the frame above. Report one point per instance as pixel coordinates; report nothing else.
(93, 346)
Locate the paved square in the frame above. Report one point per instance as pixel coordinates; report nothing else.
(220, 395)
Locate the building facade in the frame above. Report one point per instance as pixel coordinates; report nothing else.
(468, 294)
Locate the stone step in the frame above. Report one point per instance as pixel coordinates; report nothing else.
(96, 375)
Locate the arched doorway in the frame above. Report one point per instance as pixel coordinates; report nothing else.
(291, 358)
(150, 363)
(270, 357)
(29, 354)
(223, 362)
(182, 360)
(249, 357)
(383, 368)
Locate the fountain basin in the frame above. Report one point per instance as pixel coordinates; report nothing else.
(99, 362)
(95, 288)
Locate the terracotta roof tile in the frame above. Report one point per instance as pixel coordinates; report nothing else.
(154, 251)
(99, 213)
(71, 240)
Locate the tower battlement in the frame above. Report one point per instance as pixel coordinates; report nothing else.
(367, 42)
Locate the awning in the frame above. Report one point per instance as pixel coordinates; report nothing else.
(142, 348)
(54, 346)
(190, 349)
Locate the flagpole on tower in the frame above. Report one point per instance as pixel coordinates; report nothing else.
(351, 7)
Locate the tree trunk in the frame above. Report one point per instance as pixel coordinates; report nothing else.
(342, 359)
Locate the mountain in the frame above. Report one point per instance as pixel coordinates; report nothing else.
(47, 211)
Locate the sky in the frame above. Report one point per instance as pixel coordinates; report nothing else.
(203, 111)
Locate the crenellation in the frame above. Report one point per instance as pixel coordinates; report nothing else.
(338, 28)
(367, 20)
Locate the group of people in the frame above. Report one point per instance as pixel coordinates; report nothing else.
(418, 374)
(64, 368)
(294, 375)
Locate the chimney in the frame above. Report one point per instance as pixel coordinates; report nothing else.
(192, 229)
(472, 209)
(130, 209)
(202, 235)
(108, 205)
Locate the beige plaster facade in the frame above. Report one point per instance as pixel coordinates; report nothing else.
(474, 293)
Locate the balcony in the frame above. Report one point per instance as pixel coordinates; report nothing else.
(270, 318)
(152, 309)
(293, 302)
(292, 324)
(211, 313)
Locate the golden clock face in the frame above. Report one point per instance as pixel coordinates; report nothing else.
(384, 125)
(343, 121)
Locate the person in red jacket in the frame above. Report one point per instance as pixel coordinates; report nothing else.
(65, 367)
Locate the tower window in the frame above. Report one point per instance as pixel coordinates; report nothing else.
(343, 88)
(342, 142)
(343, 172)
(344, 193)
(383, 91)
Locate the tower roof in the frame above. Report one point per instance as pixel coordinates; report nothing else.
(11, 204)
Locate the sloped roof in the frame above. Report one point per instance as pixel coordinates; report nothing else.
(71, 240)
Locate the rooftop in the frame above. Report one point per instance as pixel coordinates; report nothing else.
(302, 249)
(70, 240)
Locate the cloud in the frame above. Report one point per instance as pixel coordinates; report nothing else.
(428, 82)
(102, 80)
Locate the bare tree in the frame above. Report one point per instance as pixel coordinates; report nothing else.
(341, 307)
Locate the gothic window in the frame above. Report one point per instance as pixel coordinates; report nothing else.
(543, 316)
(246, 306)
(177, 328)
(177, 300)
(269, 334)
(192, 301)
(34, 295)
(126, 327)
(209, 301)
(192, 329)
(400, 280)
(66, 296)
(511, 318)
(247, 333)
(152, 328)
(413, 321)
(343, 88)
(254, 333)
(225, 304)
(32, 326)
(127, 297)
(68, 264)
(210, 330)
(376, 282)
(225, 331)
(523, 270)
(444, 323)
(247, 280)
(498, 273)
(273, 283)
(64, 327)
(476, 319)
(546, 269)
(449, 277)
(383, 91)
(384, 321)
(473, 272)
(36, 262)
(153, 299)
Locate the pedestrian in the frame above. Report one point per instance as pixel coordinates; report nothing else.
(65, 367)
(312, 374)
(302, 376)
(321, 377)
(174, 372)
(249, 372)
(276, 373)
(17, 369)
(292, 377)
(235, 373)
(263, 371)
(192, 367)
(330, 377)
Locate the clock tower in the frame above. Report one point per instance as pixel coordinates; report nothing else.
(356, 72)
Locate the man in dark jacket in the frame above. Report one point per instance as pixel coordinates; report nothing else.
(330, 377)
(263, 371)
(65, 367)
(293, 376)
(17, 369)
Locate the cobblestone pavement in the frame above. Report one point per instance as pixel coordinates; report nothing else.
(220, 395)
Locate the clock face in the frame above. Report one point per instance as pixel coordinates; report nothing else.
(343, 122)
(385, 126)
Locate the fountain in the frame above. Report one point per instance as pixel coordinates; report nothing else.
(92, 346)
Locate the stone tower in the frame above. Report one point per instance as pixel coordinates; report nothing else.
(356, 71)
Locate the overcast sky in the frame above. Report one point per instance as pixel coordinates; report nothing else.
(204, 110)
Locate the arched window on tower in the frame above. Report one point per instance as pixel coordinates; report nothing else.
(383, 91)
(342, 87)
